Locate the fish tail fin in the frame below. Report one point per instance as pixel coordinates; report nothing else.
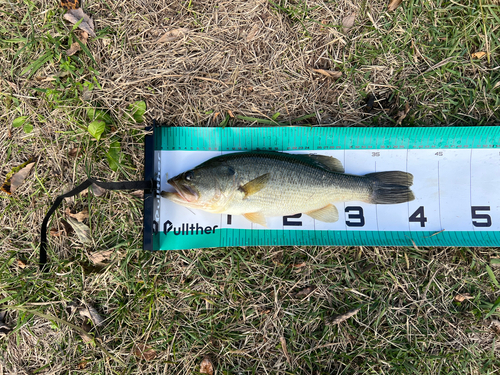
(391, 187)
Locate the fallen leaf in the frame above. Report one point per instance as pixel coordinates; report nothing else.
(285, 351)
(74, 151)
(343, 317)
(97, 190)
(253, 32)
(394, 4)
(173, 35)
(370, 101)
(86, 327)
(16, 177)
(75, 15)
(81, 230)
(402, 114)
(137, 193)
(21, 264)
(70, 4)
(82, 364)
(12, 85)
(478, 55)
(216, 114)
(299, 265)
(75, 46)
(92, 314)
(328, 73)
(55, 232)
(305, 292)
(230, 113)
(348, 22)
(143, 351)
(462, 297)
(495, 326)
(80, 216)
(206, 366)
(66, 188)
(101, 257)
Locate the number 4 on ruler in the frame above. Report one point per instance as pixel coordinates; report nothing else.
(418, 217)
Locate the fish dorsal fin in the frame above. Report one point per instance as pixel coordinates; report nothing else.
(328, 214)
(255, 185)
(328, 162)
(256, 217)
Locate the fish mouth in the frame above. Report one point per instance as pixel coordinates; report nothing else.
(184, 191)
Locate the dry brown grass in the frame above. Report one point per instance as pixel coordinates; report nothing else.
(253, 59)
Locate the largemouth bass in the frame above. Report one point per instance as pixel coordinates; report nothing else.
(260, 184)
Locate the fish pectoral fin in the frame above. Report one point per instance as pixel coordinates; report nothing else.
(328, 214)
(256, 217)
(329, 162)
(255, 185)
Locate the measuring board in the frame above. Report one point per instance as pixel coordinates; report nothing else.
(456, 184)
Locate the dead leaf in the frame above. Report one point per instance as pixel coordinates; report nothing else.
(92, 314)
(393, 5)
(101, 257)
(172, 35)
(230, 113)
(75, 15)
(16, 177)
(74, 151)
(328, 73)
(348, 22)
(285, 351)
(402, 114)
(462, 297)
(80, 216)
(206, 366)
(12, 85)
(305, 292)
(253, 32)
(81, 230)
(21, 264)
(478, 55)
(66, 189)
(97, 190)
(143, 351)
(299, 265)
(495, 326)
(75, 46)
(343, 317)
(70, 4)
(82, 364)
(137, 193)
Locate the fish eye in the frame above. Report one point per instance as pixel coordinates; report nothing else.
(189, 175)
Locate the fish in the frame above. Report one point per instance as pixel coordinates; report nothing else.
(261, 184)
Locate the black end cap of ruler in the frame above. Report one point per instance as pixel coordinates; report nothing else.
(149, 194)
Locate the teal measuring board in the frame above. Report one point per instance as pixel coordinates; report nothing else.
(456, 184)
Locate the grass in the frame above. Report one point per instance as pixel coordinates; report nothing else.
(237, 305)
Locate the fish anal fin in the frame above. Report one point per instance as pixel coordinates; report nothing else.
(328, 214)
(329, 162)
(255, 185)
(256, 217)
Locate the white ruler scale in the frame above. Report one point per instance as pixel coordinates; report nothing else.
(456, 184)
